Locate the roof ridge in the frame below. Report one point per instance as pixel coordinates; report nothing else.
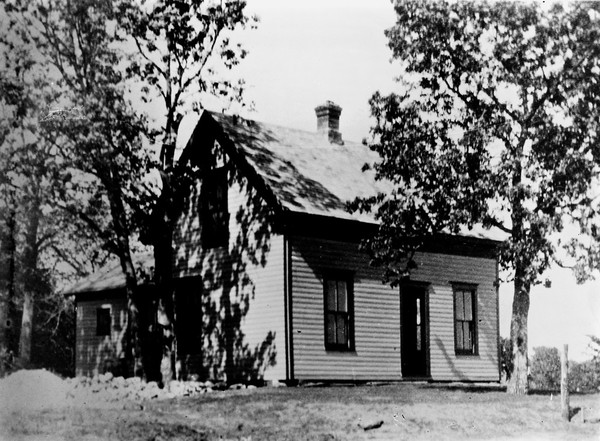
(275, 125)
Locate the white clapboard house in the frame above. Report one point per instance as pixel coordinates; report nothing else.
(272, 284)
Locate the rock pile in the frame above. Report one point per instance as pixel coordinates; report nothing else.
(38, 389)
(110, 389)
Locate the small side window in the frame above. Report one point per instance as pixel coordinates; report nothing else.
(465, 319)
(103, 321)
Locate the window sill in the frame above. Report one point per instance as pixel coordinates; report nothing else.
(467, 355)
(340, 350)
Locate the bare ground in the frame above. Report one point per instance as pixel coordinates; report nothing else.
(389, 412)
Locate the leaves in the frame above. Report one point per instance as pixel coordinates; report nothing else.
(496, 125)
(179, 43)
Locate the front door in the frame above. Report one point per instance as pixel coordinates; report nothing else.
(413, 330)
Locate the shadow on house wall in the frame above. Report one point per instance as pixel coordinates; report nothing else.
(218, 284)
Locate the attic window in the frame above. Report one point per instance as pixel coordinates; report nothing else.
(213, 209)
(103, 321)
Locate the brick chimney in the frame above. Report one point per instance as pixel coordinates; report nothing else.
(328, 121)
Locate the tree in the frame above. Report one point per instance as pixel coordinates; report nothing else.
(38, 233)
(182, 48)
(93, 128)
(497, 124)
(20, 206)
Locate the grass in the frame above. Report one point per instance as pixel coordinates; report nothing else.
(408, 411)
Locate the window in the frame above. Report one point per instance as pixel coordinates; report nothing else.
(213, 206)
(103, 323)
(338, 313)
(465, 319)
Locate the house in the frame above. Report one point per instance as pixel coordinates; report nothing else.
(272, 284)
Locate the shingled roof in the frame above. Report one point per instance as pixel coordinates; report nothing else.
(309, 174)
(306, 172)
(315, 173)
(110, 277)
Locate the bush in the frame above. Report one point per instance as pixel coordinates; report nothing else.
(584, 377)
(544, 371)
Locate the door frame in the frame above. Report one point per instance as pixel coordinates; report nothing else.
(424, 287)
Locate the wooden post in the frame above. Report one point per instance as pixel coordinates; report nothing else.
(564, 383)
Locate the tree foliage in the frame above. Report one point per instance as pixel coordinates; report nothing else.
(87, 144)
(496, 125)
(180, 47)
(183, 48)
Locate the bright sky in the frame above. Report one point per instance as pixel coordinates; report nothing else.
(306, 52)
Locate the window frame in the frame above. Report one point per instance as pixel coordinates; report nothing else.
(208, 238)
(464, 287)
(103, 326)
(348, 278)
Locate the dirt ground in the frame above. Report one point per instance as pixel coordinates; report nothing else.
(388, 412)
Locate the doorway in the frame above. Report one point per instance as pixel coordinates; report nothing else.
(414, 342)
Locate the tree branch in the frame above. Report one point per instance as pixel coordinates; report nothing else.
(156, 66)
(102, 234)
(496, 223)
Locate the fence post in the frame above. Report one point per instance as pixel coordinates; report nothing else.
(564, 383)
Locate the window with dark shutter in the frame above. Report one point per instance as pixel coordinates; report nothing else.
(213, 207)
(339, 320)
(465, 320)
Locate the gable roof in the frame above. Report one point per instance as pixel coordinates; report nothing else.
(110, 276)
(308, 174)
(302, 171)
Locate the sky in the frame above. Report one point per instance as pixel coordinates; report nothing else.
(306, 52)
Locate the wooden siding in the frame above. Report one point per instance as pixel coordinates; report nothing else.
(376, 307)
(247, 277)
(377, 315)
(439, 270)
(266, 313)
(98, 354)
(261, 263)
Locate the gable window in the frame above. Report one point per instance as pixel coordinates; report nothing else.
(103, 321)
(213, 207)
(465, 319)
(339, 320)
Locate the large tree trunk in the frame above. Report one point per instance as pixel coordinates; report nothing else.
(133, 335)
(7, 282)
(31, 280)
(26, 336)
(518, 383)
(163, 249)
(162, 242)
(163, 246)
